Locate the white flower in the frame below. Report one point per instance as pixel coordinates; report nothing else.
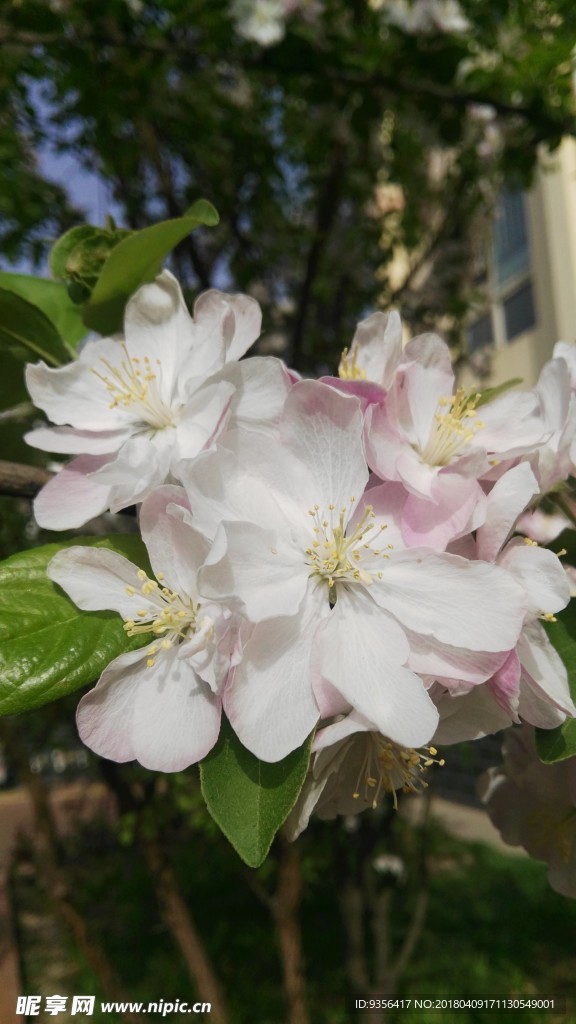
(132, 408)
(161, 704)
(338, 606)
(423, 16)
(261, 21)
(534, 805)
(354, 768)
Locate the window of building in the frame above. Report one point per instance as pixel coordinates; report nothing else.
(510, 309)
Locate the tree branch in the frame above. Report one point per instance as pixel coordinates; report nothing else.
(20, 481)
(325, 213)
(285, 913)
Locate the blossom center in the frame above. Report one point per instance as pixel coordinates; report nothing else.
(388, 767)
(348, 368)
(174, 617)
(133, 386)
(455, 426)
(336, 555)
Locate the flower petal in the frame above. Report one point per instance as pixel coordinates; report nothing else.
(458, 602)
(73, 496)
(270, 702)
(363, 652)
(255, 572)
(164, 716)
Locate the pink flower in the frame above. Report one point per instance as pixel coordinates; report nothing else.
(340, 608)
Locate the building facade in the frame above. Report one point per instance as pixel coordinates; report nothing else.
(527, 286)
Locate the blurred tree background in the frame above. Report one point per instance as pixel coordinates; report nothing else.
(355, 152)
(353, 149)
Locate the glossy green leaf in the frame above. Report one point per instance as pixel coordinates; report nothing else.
(250, 799)
(48, 646)
(558, 744)
(489, 394)
(24, 326)
(52, 298)
(137, 260)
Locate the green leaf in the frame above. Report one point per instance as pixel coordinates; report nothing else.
(137, 260)
(489, 394)
(250, 799)
(48, 646)
(52, 298)
(24, 326)
(558, 744)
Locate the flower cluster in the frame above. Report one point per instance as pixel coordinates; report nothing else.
(337, 557)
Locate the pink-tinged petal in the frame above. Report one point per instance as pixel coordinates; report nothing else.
(261, 385)
(245, 324)
(429, 657)
(176, 550)
(469, 716)
(104, 714)
(507, 499)
(158, 328)
(505, 685)
(270, 702)
(363, 652)
(324, 431)
(176, 717)
(68, 441)
(415, 473)
(163, 716)
(330, 701)
(387, 501)
(460, 603)
(202, 419)
(98, 579)
(543, 669)
(73, 496)
(540, 574)
(367, 391)
(254, 572)
(437, 522)
(383, 445)
(535, 709)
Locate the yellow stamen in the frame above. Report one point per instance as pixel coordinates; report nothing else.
(349, 368)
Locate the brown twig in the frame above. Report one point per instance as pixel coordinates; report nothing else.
(326, 210)
(285, 906)
(20, 481)
(171, 902)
